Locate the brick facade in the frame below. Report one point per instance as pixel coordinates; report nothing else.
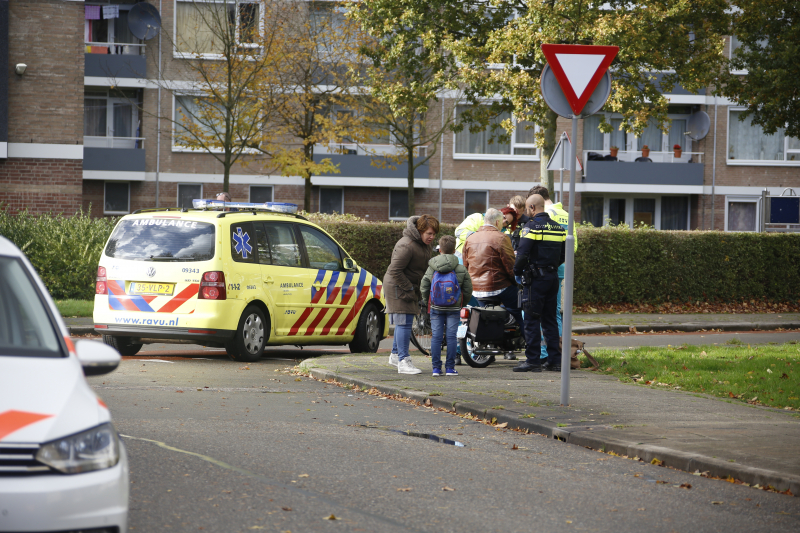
(41, 185)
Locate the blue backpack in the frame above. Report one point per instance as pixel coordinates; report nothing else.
(445, 291)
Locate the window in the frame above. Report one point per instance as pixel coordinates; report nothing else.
(283, 248)
(153, 239)
(616, 211)
(259, 194)
(748, 143)
(331, 201)
(592, 210)
(741, 213)
(475, 202)
(674, 212)
(202, 26)
(117, 197)
(187, 193)
(106, 32)
(644, 211)
(111, 121)
(652, 136)
(480, 145)
(323, 253)
(398, 203)
(243, 242)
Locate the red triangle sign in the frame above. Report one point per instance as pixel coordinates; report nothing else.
(578, 69)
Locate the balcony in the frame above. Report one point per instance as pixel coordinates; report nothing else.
(115, 60)
(358, 170)
(103, 156)
(662, 169)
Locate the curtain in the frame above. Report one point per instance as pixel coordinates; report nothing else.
(195, 23)
(619, 138)
(741, 216)
(747, 140)
(95, 116)
(651, 137)
(523, 135)
(644, 211)
(479, 143)
(592, 137)
(676, 133)
(592, 210)
(674, 212)
(123, 119)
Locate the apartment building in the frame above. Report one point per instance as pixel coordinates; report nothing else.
(79, 129)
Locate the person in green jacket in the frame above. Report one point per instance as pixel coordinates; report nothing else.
(445, 318)
(557, 213)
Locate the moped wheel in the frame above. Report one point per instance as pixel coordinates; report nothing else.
(468, 354)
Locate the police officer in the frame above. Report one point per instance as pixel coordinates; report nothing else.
(541, 251)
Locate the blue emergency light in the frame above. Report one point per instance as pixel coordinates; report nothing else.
(218, 205)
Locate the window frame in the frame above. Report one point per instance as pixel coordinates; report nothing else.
(741, 198)
(271, 192)
(319, 198)
(464, 202)
(105, 211)
(389, 208)
(499, 157)
(179, 148)
(177, 54)
(759, 162)
(178, 191)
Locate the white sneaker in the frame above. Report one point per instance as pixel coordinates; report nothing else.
(393, 360)
(406, 367)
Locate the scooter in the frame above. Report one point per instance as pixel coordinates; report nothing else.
(488, 331)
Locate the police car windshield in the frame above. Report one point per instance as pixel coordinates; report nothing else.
(160, 239)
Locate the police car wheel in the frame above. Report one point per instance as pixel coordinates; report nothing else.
(468, 354)
(251, 336)
(368, 331)
(122, 345)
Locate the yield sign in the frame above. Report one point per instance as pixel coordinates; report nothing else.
(578, 69)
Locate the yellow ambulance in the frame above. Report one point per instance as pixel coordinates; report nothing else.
(235, 275)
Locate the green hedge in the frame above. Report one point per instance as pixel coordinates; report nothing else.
(620, 265)
(63, 250)
(613, 265)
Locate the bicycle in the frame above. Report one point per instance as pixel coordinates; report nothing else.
(421, 331)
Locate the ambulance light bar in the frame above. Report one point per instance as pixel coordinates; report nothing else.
(219, 205)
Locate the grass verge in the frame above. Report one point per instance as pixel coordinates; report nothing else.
(759, 375)
(75, 308)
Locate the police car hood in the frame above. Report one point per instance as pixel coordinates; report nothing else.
(443, 263)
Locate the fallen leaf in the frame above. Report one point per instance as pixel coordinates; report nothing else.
(641, 509)
(515, 447)
(730, 394)
(448, 489)
(769, 371)
(286, 508)
(703, 353)
(685, 485)
(656, 462)
(303, 475)
(178, 391)
(331, 517)
(717, 503)
(404, 490)
(298, 379)
(504, 424)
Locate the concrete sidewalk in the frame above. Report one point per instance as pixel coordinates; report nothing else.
(687, 431)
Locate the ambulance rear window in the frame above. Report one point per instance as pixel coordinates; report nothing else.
(160, 239)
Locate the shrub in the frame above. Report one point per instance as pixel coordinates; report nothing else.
(63, 250)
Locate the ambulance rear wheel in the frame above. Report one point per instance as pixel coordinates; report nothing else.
(368, 331)
(251, 336)
(122, 345)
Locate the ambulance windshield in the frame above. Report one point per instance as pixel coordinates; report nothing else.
(161, 239)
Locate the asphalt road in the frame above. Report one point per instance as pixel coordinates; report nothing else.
(257, 448)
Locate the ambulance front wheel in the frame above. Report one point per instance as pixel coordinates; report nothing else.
(367, 336)
(122, 345)
(247, 346)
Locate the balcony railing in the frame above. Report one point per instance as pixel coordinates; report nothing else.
(113, 142)
(127, 49)
(655, 157)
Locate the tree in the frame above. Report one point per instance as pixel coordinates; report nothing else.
(314, 89)
(498, 49)
(229, 53)
(404, 80)
(768, 35)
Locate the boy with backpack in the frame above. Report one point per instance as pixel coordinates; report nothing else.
(446, 286)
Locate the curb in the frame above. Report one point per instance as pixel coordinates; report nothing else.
(582, 436)
(81, 330)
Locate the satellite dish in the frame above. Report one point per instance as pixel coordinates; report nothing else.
(144, 21)
(698, 125)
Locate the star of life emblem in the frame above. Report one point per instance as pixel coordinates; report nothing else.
(242, 243)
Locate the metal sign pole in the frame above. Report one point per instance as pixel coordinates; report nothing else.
(563, 166)
(569, 268)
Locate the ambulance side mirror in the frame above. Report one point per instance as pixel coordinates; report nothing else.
(349, 264)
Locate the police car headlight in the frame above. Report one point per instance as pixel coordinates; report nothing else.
(95, 449)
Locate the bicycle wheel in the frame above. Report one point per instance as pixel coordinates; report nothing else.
(421, 332)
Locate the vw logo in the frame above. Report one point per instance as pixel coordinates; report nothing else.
(151, 272)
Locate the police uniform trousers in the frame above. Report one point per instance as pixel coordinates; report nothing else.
(541, 298)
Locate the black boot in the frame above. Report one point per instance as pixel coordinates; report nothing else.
(525, 366)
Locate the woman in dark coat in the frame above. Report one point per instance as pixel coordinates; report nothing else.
(401, 285)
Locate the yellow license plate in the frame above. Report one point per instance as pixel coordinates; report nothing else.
(151, 288)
